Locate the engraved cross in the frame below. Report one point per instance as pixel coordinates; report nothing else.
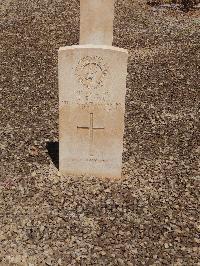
(91, 129)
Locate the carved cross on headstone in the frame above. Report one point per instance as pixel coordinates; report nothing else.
(96, 21)
(91, 129)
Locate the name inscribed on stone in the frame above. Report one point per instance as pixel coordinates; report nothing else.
(105, 106)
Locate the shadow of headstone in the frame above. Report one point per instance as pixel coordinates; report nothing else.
(53, 151)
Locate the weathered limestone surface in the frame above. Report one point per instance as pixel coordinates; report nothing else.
(92, 82)
(96, 22)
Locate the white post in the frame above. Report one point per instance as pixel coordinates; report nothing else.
(96, 22)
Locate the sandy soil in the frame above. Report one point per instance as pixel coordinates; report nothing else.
(151, 216)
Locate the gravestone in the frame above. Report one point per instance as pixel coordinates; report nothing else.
(92, 87)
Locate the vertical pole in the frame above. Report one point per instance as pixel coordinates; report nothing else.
(96, 22)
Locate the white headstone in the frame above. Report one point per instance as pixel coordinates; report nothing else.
(92, 87)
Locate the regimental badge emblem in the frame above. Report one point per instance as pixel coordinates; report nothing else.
(91, 71)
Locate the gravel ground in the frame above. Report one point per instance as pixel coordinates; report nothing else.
(151, 216)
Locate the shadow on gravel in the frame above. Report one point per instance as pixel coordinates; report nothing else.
(53, 151)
